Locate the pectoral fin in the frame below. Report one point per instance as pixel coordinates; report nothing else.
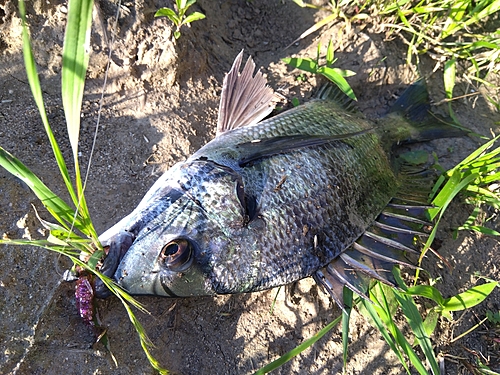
(262, 148)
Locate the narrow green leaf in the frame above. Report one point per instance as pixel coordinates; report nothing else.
(76, 51)
(330, 54)
(449, 77)
(426, 291)
(416, 323)
(480, 229)
(318, 53)
(167, 12)
(55, 205)
(306, 64)
(469, 298)
(36, 90)
(334, 75)
(345, 72)
(299, 349)
(370, 312)
(346, 316)
(477, 153)
(449, 191)
(479, 13)
(195, 16)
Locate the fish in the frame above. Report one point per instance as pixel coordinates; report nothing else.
(315, 191)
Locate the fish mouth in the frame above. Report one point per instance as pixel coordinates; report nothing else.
(117, 246)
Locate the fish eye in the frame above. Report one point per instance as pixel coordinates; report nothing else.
(177, 255)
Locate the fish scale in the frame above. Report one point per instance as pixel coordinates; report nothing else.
(270, 202)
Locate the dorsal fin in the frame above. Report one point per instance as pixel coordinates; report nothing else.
(245, 99)
(329, 91)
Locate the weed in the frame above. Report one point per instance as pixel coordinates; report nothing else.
(449, 31)
(493, 317)
(179, 18)
(63, 237)
(336, 75)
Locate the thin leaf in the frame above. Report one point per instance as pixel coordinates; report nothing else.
(426, 291)
(449, 77)
(346, 316)
(76, 53)
(416, 323)
(371, 312)
(36, 90)
(76, 50)
(330, 54)
(306, 64)
(334, 75)
(195, 16)
(167, 12)
(299, 349)
(469, 298)
(480, 229)
(55, 205)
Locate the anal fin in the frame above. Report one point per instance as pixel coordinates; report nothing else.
(391, 240)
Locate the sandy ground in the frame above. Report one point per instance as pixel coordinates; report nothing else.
(160, 106)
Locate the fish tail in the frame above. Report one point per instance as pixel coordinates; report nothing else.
(414, 106)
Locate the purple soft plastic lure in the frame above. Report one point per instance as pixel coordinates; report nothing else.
(84, 294)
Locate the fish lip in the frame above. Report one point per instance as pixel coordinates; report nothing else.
(117, 246)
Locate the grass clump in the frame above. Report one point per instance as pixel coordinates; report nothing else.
(74, 235)
(450, 32)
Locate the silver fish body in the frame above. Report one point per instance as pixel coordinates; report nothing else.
(260, 206)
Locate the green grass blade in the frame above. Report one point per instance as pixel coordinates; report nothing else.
(346, 316)
(74, 65)
(299, 349)
(36, 90)
(370, 311)
(76, 52)
(476, 153)
(469, 298)
(426, 291)
(335, 75)
(330, 54)
(416, 323)
(55, 205)
(306, 64)
(480, 229)
(146, 343)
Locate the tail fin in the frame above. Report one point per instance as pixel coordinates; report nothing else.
(414, 106)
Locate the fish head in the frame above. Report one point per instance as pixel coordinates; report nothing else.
(170, 244)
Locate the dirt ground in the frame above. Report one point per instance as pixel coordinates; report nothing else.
(160, 106)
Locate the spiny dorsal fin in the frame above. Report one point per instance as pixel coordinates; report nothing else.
(245, 100)
(329, 91)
